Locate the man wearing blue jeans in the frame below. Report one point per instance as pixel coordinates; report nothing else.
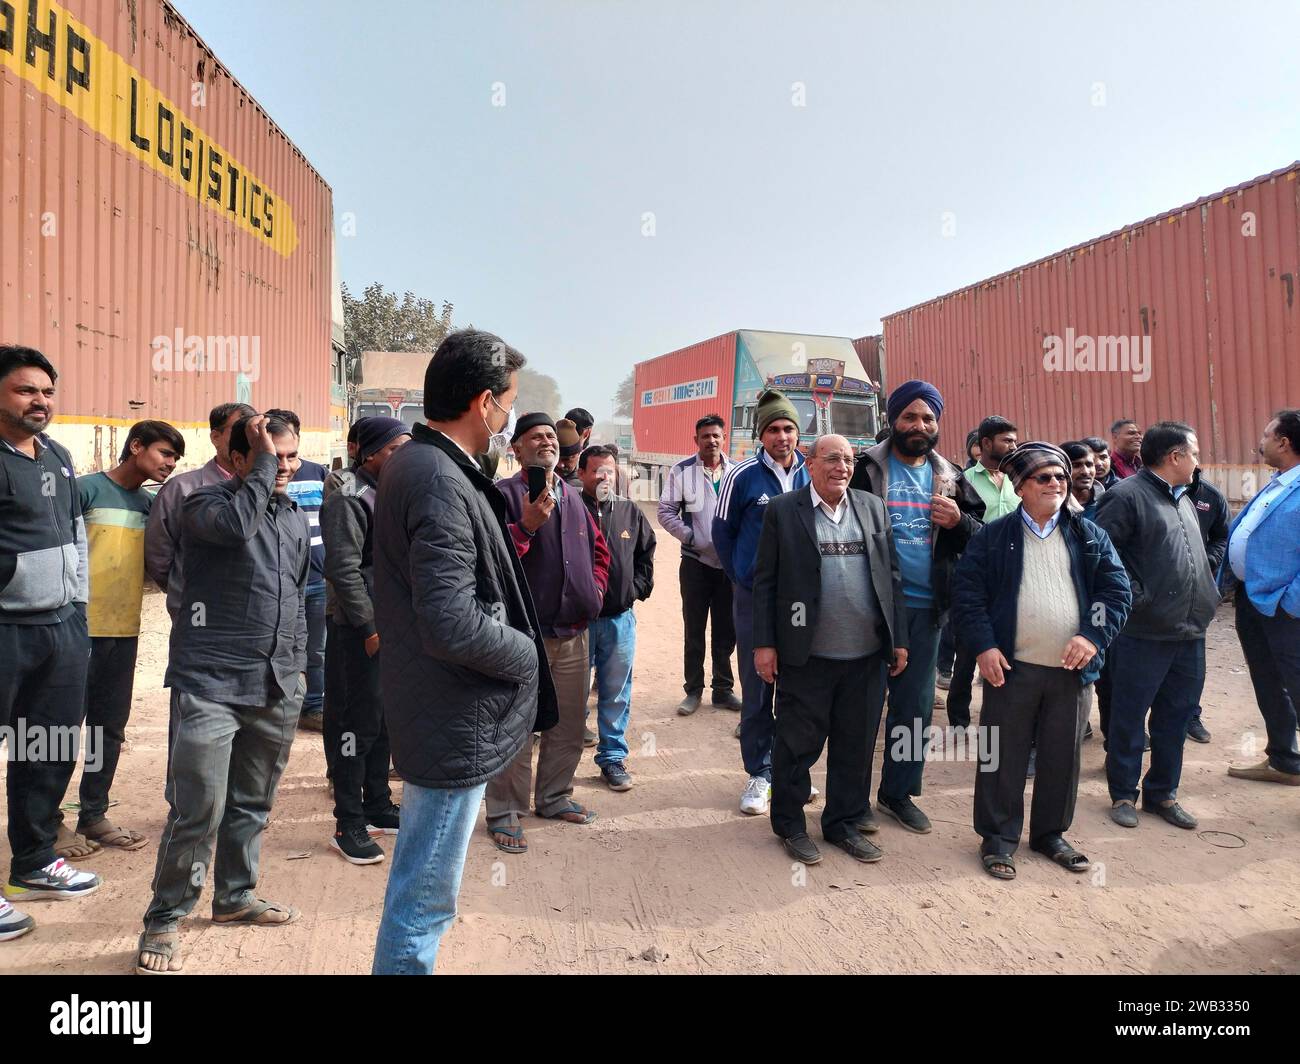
(933, 512)
(746, 490)
(463, 673)
(612, 635)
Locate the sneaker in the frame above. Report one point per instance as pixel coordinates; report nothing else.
(356, 846)
(688, 705)
(312, 721)
(1087, 732)
(13, 924)
(943, 681)
(616, 776)
(59, 881)
(813, 794)
(589, 737)
(904, 810)
(758, 792)
(1197, 732)
(385, 823)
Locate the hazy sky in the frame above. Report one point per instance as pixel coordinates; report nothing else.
(1036, 125)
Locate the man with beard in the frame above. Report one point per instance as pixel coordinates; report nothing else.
(996, 438)
(44, 645)
(1125, 448)
(566, 562)
(571, 446)
(933, 512)
(1105, 475)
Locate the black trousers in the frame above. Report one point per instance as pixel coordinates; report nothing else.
(1103, 697)
(706, 590)
(109, 684)
(42, 698)
(332, 707)
(361, 785)
(1037, 706)
(823, 700)
(964, 666)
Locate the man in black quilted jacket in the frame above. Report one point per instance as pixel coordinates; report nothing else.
(463, 673)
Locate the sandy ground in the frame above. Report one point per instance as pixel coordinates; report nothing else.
(673, 878)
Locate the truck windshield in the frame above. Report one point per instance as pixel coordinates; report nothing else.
(373, 410)
(807, 410)
(851, 419)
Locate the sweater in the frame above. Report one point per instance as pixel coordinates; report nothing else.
(1047, 613)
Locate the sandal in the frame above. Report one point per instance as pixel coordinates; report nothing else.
(264, 913)
(575, 814)
(166, 944)
(516, 834)
(999, 865)
(107, 834)
(73, 847)
(1063, 854)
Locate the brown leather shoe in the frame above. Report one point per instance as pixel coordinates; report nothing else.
(1264, 773)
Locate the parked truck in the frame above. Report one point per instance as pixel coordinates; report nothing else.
(165, 244)
(822, 375)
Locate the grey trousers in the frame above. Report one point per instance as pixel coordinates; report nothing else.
(561, 746)
(223, 765)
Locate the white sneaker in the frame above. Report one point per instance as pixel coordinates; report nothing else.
(58, 881)
(13, 924)
(758, 792)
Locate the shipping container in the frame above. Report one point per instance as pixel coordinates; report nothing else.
(162, 241)
(822, 376)
(1190, 315)
(871, 352)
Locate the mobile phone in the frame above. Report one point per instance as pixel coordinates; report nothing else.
(536, 482)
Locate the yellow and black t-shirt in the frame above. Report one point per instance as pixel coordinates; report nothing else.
(115, 520)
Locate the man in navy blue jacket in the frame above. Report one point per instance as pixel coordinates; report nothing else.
(1038, 595)
(746, 490)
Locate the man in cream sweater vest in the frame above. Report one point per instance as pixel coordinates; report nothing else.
(1039, 595)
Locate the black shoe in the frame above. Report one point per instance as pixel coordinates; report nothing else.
(356, 846)
(904, 810)
(1197, 732)
(589, 737)
(616, 776)
(385, 823)
(802, 848)
(727, 700)
(1124, 814)
(1173, 813)
(1033, 763)
(688, 705)
(312, 721)
(867, 822)
(859, 848)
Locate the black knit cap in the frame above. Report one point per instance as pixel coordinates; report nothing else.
(531, 421)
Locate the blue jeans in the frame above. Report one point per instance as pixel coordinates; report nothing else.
(428, 861)
(911, 705)
(315, 601)
(1166, 678)
(613, 645)
(756, 720)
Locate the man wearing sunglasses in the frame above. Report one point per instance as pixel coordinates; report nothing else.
(1038, 595)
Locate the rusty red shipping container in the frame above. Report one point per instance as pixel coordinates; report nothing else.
(869, 350)
(1193, 313)
(161, 240)
(665, 431)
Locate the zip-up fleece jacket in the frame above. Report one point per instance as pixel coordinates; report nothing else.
(1161, 545)
(687, 507)
(43, 555)
(742, 504)
(871, 473)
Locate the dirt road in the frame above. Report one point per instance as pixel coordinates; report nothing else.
(672, 878)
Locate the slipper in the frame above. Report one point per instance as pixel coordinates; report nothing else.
(575, 814)
(261, 912)
(511, 833)
(71, 846)
(165, 944)
(1063, 854)
(995, 861)
(107, 834)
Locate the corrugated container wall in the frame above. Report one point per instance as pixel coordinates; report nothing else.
(868, 349)
(161, 240)
(1194, 312)
(666, 428)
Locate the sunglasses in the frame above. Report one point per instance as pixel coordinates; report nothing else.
(1047, 478)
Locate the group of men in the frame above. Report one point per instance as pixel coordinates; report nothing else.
(839, 577)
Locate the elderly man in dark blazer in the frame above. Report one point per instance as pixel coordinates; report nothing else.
(829, 620)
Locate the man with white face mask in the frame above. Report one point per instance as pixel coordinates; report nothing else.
(612, 635)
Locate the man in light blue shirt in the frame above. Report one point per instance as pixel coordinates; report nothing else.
(1263, 564)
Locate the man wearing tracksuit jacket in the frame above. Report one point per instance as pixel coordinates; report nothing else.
(612, 635)
(746, 490)
(44, 644)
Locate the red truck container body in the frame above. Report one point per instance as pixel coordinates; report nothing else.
(675, 390)
(1203, 295)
